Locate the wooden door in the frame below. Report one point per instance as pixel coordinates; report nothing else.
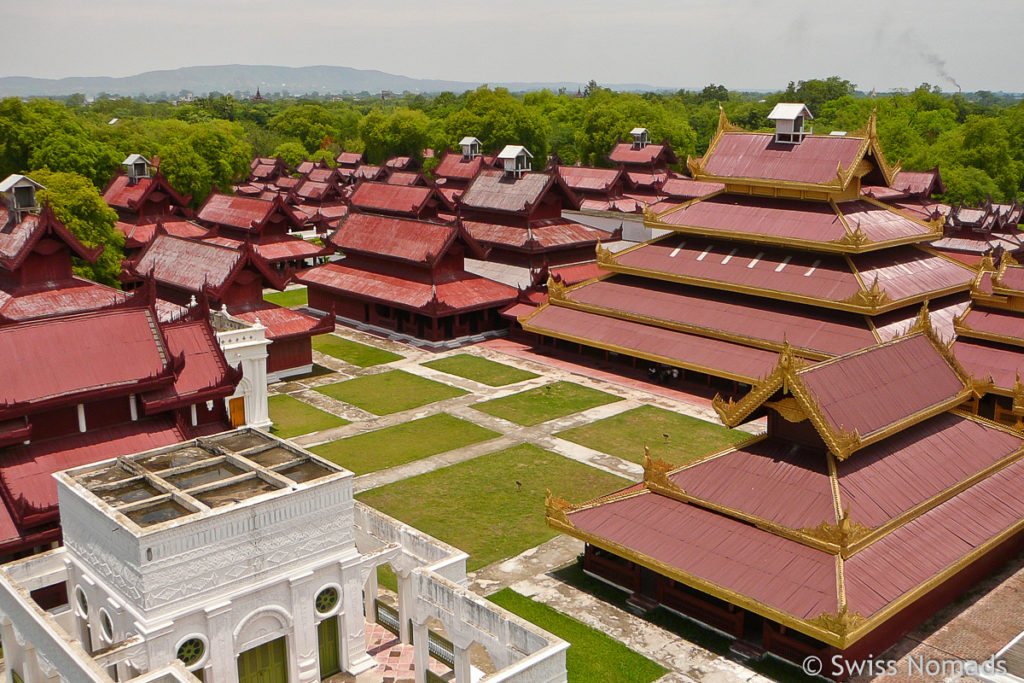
(330, 657)
(237, 406)
(267, 663)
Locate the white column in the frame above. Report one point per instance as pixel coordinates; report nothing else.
(133, 406)
(81, 417)
(462, 666)
(221, 663)
(195, 420)
(420, 651)
(12, 652)
(406, 598)
(355, 660)
(305, 644)
(30, 671)
(370, 590)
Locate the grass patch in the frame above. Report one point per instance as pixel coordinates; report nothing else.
(592, 655)
(624, 435)
(483, 492)
(689, 630)
(352, 352)
(288, 298)
(293, 417)
(386, 577)
(391, 446)
(534, 406)
(480, 370)
(389, 392)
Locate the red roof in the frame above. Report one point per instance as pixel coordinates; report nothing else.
(73, 355)
(687, 188)
(623, 153)
(905, 272)
(442, 296)
(690, 351)
(349, 158)
(206, 374)
(57, 298)
(405, 178)
(27, 475)
(492, 190)
(756, 155)
(141, 235)
(122, 194)
(720, 313)
(1002, 364)
(284, 323)
(243, 213)
(922, 183)
(587, 179)
(288, 248)
(17, 241)
(452, 165)
(393, 238)
(1005, 324)
(188, 264)
(577, 273)
(367, 172)
(396, 199)
(782, 574)
(880, 386)
(540, 236)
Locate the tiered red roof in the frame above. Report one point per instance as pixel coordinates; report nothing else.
(145, 197)
(399, 200)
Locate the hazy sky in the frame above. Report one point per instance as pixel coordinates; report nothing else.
(756, 44)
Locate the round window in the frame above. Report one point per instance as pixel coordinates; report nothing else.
(326, 600)
(83, 602)
(191, 651)
(108, 628)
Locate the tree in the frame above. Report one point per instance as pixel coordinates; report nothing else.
(310, 124)
(402, 132)
(78, 205)
(76, 152)
(292, 153)
(497, 118)
(186, 171)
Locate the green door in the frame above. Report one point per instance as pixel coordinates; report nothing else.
(267, 663)
(330, 658)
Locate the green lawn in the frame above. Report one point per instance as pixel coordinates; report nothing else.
(391, 446)
(592, 655)
(480, 370)
(288, 298)
(476, 506)
(352, 352)
(557, 399)
(389, 392)
(626, 434)
(293, 417)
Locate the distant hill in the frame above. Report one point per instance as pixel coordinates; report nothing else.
(201, 80)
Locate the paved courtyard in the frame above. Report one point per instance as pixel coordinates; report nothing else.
(973, 628)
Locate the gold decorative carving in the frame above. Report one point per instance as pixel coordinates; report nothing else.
(556, 509)
(789, 408)
(872, 298)
(649, 216)
(732, 413)
(656, 472)
(841, 623)
(844, 533)
(605, 257)
(556, 289)
(987, 265)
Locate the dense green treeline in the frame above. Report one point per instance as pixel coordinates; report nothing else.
(976, 140)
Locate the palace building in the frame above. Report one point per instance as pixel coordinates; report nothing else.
(408, 276)
(871, 502)
(772, 241)
(141, 197)
(243, 558)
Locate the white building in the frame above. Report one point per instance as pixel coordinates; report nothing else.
(245, 345)
(240, 557)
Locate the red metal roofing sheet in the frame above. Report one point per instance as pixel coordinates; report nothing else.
(393, 238)
(349, 158)
(234, 211)
(1013, 278)
(58, 298)
(873, 389)
(686, 350)
(367, 172)
(121, 191)
(822, 276)
(826, 331)
(553, 234)
(74, 354)
(1001, 363)
(905, 272)
(279, 321)
(623, 153)
(917, 182)
(757, 155)
(1003, 323)
(587, 179)
(925, 460)
(205, 365)
(776, 480)
(404, 178)
(933, 542)
(465, 291)
(738, 215)
(492, 190)
(288, 248)
(777, 572)
(878, 223)
(28, 469)
(579, 272)
(942, 311)
(188, 264)
(687, 188)
(392, 198)
(452, 165)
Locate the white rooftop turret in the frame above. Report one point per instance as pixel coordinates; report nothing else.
(470, 147)
(20, 195)
(789, 120)
(641, 137)
(515, 159)
(137, 167)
